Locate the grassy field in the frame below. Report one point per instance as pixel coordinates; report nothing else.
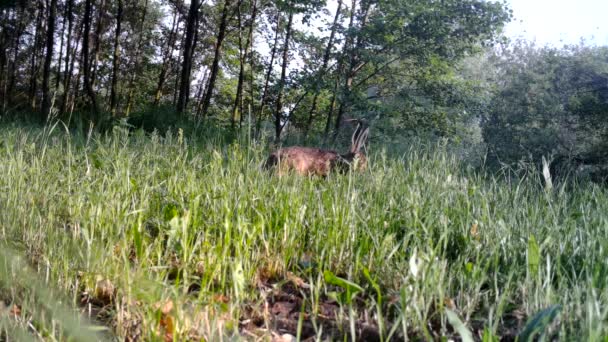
(167, 238)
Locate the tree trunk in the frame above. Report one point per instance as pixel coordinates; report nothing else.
(279, 109)
(4, 60)
(85, 57)
(323, 69)
(238, 105)
(98, 33)
(70, 57)
(184, 88)
(353, 55)
(273, 53)
(116, 61)
(33, 63)
(199, 95)
(61, 45)
(216, 58)
(332, 105)
(46, 75)
(135, 71)
(162, 77)
(21, 15)
(238, 101)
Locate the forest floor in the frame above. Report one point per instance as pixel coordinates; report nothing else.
(171, 238)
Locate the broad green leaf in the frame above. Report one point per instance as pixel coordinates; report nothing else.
(350, 288)
(539, 323)
(461, 329)
(533, 255)
(488, 336)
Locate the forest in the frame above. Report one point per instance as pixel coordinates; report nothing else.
(133, 204)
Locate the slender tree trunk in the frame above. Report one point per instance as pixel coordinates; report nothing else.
(34, 63)
(116, 60)
(238, 105)
(323, 69)
(70, 57)
(354, 59)
(332, 105)
(279, 109)
(135, 71)
(176, 83)
(162, 77)
(184, 88)
(5, 42)
(4, 60)
(244, 53)
(21, 17)
(86, 65)
(98, 33)
(46, 75)
(216, 58)
(201, 91)
(273, 53)
(61, 45)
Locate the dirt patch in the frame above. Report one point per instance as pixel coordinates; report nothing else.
(283, 311)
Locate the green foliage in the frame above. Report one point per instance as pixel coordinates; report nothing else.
(538, 324)
(161, 214)
(465, 334)
(549, 102)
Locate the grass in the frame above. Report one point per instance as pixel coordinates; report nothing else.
(177, 238)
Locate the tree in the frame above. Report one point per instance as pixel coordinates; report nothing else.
(323, 68)
(273, 53)
(116, 60)
(46, 75)
(34, 67)
(237, 108)
(549, 102)
(278, 113)
(217, 55)
(191, 27)
(86, 65)
(166, 62)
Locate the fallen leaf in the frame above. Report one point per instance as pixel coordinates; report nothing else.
(166, 323)
(220, 298)
(474, 231)
(449, 303)
(105, 291)
(283, 309)
(15, 310)
(165, 308)
(299, 282)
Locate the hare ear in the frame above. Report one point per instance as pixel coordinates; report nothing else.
(361, 140)
(355, 138)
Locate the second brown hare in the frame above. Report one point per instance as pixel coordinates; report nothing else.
(315, 161)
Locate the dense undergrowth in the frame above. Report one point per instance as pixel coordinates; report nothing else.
(173, 237)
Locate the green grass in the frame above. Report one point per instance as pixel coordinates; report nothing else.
(195, 222)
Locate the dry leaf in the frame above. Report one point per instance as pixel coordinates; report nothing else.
(166, 324)
(166, 321)
(449, 303)
(299, 282)
(15, 310)
(474, 231)
(165, 308)
(105, 291)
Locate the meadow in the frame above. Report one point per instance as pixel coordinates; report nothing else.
(172, 237)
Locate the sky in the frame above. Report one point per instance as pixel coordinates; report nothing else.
(559, 22)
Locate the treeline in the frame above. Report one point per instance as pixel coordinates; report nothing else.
(304, 64)
(548, 102)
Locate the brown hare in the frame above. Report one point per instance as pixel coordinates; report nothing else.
(315, 161)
